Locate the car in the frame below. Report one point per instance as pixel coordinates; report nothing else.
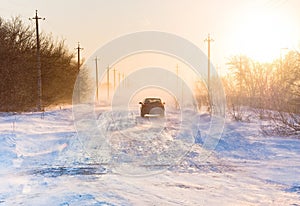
(152, 107)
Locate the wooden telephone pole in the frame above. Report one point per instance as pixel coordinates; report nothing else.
(78, 67)
(107, 76)
(78, 56)
(208, 40)
(38, 57)
(97, 92)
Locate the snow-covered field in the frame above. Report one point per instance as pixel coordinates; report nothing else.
(44, 162)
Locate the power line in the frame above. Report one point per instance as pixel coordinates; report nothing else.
(38, 57)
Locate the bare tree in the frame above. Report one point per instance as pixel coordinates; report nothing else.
(272, 90)
(18, 85)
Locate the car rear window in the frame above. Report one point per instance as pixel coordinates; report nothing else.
(152, 100)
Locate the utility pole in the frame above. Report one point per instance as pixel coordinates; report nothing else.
(78, 68)
(182, 93)
(114, 78)
(38, 57)
(208, 40)
(78, 55)
(107, 82)
(97, 97)
(177, 104)
(123, 79)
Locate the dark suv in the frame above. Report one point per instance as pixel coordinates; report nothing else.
(152, 106)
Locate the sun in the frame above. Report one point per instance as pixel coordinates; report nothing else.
(262, 35)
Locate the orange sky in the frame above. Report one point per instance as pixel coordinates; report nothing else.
(257, 28)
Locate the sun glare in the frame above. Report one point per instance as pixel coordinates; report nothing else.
(262, 35)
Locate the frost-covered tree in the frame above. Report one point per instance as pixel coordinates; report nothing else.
(271, 89)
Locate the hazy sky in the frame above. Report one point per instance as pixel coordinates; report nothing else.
(258, 28)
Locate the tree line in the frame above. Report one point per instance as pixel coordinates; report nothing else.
(272, 90)
(18, 68)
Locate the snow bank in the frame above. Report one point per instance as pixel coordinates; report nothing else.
(43, 162)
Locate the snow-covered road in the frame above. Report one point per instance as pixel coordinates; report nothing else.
(44, 162)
